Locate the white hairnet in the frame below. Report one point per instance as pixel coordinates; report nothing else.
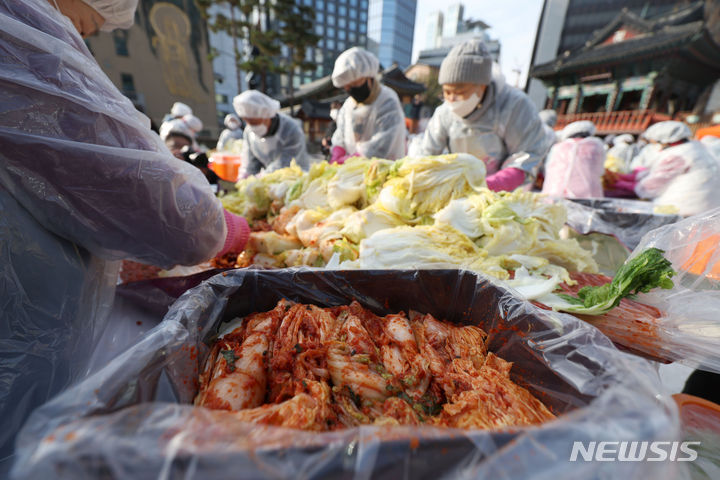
(353, 64)
(177, 126)
(179, 109)
(232, 121)
(117, 13)
(276, 151)
(668, 132)
(254, 104)
(583, 126)
(193, 122)
(549, 117)
(624, 138)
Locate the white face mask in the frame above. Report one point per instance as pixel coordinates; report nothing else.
(259, 130)
(463, 108)
(333, 114)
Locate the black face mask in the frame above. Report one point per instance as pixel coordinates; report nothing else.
(361, 93)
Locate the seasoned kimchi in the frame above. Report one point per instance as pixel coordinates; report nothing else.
(312, 368)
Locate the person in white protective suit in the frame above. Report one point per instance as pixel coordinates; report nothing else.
(549, 117)
(271, 139)
(188, 124)
(84, 182)
(484, 117)
(682, 173)
(620, 155)
(371, 122)
(178, 110)
(712, 143)
(231, 132)
(647, 150)
(575, 166)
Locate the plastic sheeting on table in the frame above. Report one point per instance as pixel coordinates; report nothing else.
(689, 331)
(628, 220)
(700, 421)
(133, 418)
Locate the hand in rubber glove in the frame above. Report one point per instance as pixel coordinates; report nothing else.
(338, 155)
(238, 232)
(627, 181)
(507, 179)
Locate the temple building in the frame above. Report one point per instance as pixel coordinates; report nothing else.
(635, 71)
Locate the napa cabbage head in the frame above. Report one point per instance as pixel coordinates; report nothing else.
(279, 181)
(310, 191)
(566, 253)
(255, 194)
(463, 214)
(424, 185)
(348, 184)
(364, 223)
(409, 247)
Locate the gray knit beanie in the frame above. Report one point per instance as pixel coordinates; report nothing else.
(468, 62)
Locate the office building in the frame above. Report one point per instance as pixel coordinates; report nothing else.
(455, 29)
(433, 30)
(225, 72)
(161, 59)
(391, 25)
(453, 20)
(340, 24)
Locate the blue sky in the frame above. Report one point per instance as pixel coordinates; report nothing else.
(513, 22)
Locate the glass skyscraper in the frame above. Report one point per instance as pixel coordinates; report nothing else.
(391, 24)
(340, 24)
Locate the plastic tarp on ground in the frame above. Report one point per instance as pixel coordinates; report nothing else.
(628, 220)
(133, 418)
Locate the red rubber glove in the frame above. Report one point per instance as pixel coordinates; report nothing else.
(238, 232)
(338, 155)
(507, 179)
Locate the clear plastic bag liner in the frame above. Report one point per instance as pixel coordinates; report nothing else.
(689, 329)
(628, 220)
(133, 418)
(700, 422)
(137, 308)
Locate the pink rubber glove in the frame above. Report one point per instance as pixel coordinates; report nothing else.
(626, 185)
(238, 232)
(639, 173)
(632, 176)
(627, 181)
(338, 155)
(507, 179)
